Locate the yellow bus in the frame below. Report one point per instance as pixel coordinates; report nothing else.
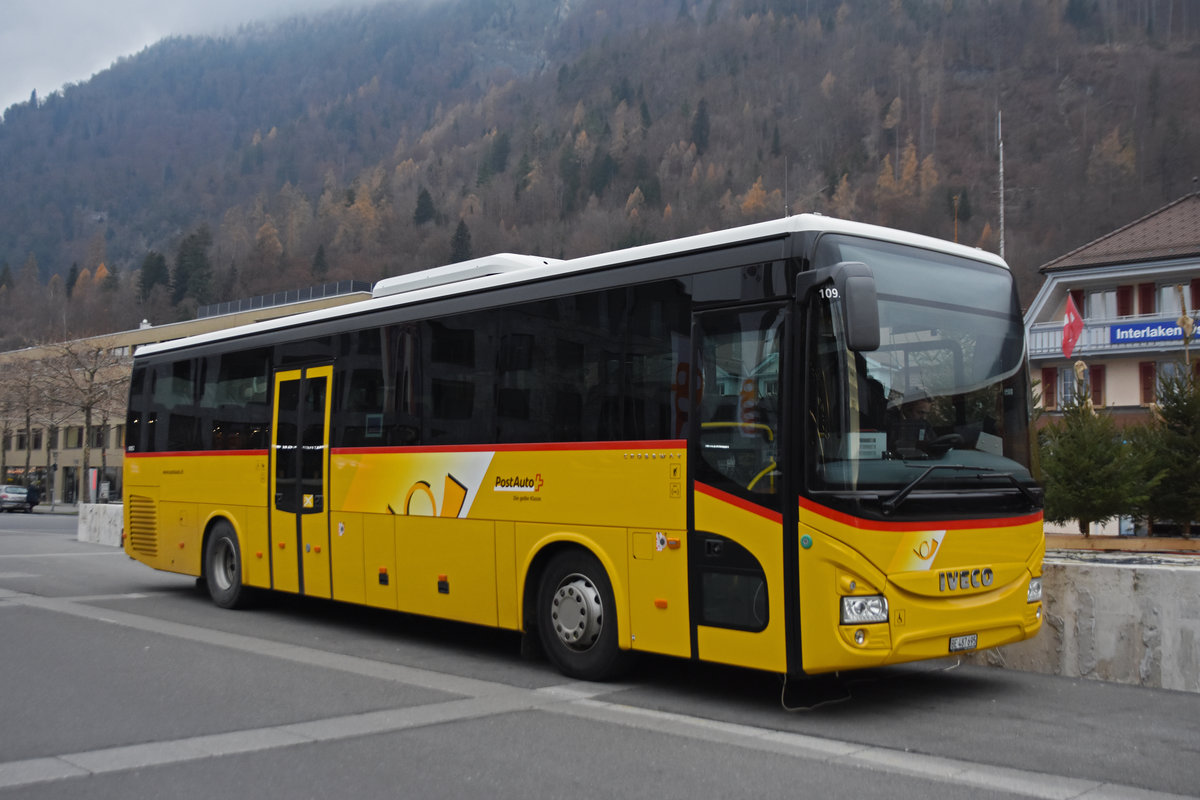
(798, 446)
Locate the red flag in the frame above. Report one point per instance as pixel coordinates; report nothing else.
(1072, 327)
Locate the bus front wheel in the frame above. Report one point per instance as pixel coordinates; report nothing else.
(577, 618)
(223, 568)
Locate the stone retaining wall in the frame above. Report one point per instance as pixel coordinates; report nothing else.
(1129, 623)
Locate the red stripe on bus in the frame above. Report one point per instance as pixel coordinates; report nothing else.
(745, 505)
(859, 522)
(635, 446)
(179, 453)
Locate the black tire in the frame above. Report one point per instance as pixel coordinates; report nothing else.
(576, 617)
(223, 568)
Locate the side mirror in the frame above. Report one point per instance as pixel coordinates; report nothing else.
(853, 287)
(855, 284)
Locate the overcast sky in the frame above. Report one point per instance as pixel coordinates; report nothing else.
(47, 43)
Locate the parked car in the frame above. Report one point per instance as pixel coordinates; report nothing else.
(14, 498)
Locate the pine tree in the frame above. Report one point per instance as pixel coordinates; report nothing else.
(424, 212)
(154, 273)
(320, 263)
(1175, 435)
(193, 269)
(700, 127)
(1091, 473)
(460, 243)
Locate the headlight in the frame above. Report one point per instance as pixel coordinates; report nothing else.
(1035, 591)
(857, 610)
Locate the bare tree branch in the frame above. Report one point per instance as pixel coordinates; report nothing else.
(90, 377)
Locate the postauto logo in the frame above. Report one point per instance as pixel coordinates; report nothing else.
(518, 483)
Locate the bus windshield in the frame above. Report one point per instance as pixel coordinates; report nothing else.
(935, 420)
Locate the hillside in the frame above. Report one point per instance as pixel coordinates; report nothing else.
(360, 144)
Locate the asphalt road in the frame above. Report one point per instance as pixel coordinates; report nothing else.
(117, 681)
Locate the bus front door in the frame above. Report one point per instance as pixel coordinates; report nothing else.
(300, 480)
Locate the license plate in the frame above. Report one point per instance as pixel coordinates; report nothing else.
(960, 643)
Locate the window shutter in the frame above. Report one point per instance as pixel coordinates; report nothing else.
(1124, 301)
(1049, 384)
(1146, 298)
(1096, 378)
(1146, 375)
(1077, 296)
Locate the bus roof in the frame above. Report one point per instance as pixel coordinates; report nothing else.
(506, 269)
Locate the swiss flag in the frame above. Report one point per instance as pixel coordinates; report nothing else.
(1072, 327)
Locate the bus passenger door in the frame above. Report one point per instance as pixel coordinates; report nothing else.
(300, 480)
(736, 543)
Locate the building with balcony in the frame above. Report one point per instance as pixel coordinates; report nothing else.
(1131, 287)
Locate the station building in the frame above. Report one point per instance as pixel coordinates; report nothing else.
(54, 453)
(1131, 287)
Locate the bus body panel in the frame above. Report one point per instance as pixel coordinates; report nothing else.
(380, 575)
(169, 488)
(598, 484)
(757, 530)
(991, 562)
(508, 598)
(658, 592)
(346, 547)
(447, 568)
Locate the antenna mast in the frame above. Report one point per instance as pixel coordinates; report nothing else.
(786, 212)
(1000, 140)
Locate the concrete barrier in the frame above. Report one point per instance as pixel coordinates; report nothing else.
(1136, 621)
(100, 523)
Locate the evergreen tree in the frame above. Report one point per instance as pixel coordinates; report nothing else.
(154, 273)
(1091, 473)
(424, 212)
(320, 263)
(601, 172)
(193, 269)
(72, 276)
(700, 126)
(1175, 440)
(111, 281)
(460, 243)
(498, 156)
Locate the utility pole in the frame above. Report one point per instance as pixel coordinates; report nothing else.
(1000, 141)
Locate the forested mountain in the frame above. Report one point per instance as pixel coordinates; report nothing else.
(365, 143)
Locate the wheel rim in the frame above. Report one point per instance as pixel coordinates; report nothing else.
(576, 612)
(223, 564)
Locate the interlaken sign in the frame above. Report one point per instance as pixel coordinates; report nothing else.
(1134, 332)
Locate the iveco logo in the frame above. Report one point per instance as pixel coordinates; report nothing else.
(954, 580)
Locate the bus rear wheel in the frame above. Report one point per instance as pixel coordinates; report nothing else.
(577, 618)
(223, 568)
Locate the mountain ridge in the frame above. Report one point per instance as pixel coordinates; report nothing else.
(368, 142)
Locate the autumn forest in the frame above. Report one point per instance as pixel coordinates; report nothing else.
(367, 143)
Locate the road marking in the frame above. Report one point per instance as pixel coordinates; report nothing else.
(479, 698)
(62, 555)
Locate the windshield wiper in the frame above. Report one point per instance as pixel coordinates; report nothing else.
(890, 504)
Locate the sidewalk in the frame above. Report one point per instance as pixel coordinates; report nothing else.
(59, 508)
